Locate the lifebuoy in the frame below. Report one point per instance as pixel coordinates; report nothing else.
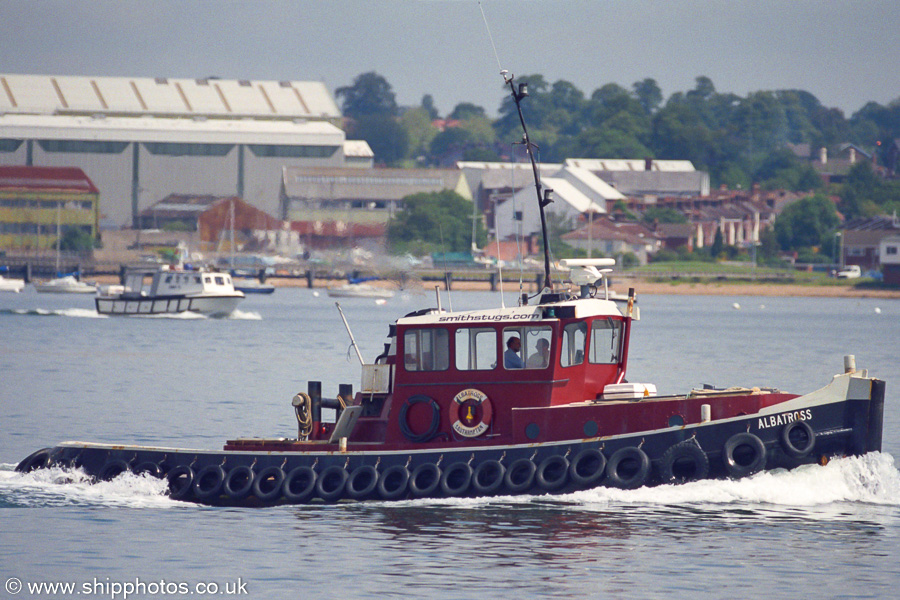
(744, 454)
(239, 482)
(683, 462)
(209, 481)
(148, 468)
(470, 413)
(455, 479)
(425, 480)
(180, 481)
(35, 460)
(406, 430)
(112, 469)
(267, 484)
(299, 484)
(587, 468)
(488, 477)
(362, 482)
(628, 468)
(393, 481)
(798, 439)
(552, 472)
(331, 482)
(520, 475)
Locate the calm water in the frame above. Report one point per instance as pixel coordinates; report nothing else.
(66, 373)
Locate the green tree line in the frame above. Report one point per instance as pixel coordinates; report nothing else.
(738, 140)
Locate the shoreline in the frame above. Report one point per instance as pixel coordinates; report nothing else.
(621, 285)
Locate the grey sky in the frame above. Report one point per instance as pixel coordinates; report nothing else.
(844, 52)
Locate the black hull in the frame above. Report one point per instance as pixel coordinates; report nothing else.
(732, 449)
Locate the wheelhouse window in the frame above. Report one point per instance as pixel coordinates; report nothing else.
(606, 341)
(426, 350)
(476, 349)
(526, 347)
(573, 340)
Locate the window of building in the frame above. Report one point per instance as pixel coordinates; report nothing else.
(280, 151)
(476, 349)
(426, 350)
(606, 341)
(83, 146)
(177, 149)
(890, 250)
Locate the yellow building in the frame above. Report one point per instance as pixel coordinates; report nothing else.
(39, 203)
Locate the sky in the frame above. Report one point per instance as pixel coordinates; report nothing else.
(844, 52)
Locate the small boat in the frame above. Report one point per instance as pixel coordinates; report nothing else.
(360, 290)
(249, 285)
(66, 284)
(530, 399)
(165, 290)
(11, 285)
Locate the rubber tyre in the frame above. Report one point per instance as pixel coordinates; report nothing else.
(789, 434)
(587, 468)
(487, 478)
(267, 484)
(331, 482)
(552, 473)
(112, 469)
(455, 479)
(519, 476)
(239, 482)
(362, 482)
(393, 482)
(209, 481)
(425, 480)
(631, 456)
(149, 468)
(181, 482)
(299, 485)
(35, 460)
(738, 466)
(673, 467)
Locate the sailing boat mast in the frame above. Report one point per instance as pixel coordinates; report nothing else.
(543, 195)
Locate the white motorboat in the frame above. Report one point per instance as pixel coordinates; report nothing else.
(359, 290)
(67, 284)
(11, 285)
(172, 290)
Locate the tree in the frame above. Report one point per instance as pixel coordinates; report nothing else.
(467, 110)
(656, 214)
(416, 122)
(369, 95)
(430, 108)
(808, 222)
(75, 239)
(435, 221)
(782, 169)
(648, 94)
(718, 245)
(387, 138)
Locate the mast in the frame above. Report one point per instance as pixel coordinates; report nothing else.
(543, 195)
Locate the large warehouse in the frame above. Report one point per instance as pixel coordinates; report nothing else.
(142, 139)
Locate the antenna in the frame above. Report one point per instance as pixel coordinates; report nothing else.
(544, 195)
(486, 26)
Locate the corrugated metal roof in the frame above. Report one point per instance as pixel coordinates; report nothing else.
(621, 164)
(48, 94)
(154, 129)
(335, 183)
(67, 178)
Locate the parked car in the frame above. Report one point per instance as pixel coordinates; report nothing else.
(849, 272)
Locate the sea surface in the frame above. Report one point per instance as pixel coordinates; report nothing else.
(67, 373)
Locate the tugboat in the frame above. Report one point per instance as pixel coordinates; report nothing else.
(531, 399)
